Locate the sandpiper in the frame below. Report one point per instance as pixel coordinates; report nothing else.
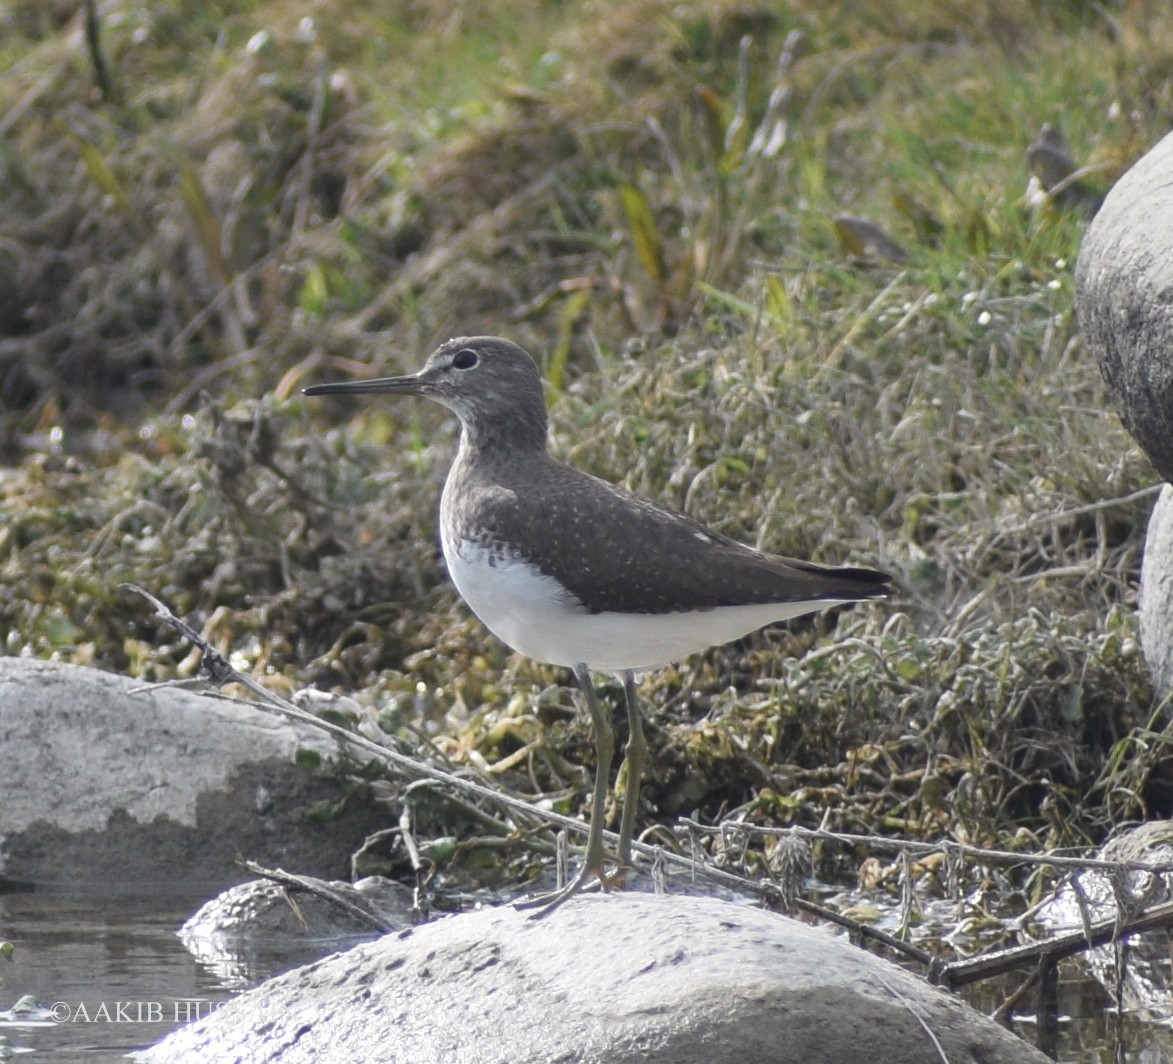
(570, 570)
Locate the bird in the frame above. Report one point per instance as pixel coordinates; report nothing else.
(570, 570)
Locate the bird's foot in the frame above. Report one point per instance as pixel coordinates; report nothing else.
(545, 903)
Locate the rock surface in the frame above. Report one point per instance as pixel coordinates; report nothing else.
(1124, 300)
(101, 785)
(1156, 594)
(621, 978)
(263, 926)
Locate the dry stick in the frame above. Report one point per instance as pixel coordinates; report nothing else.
(863, 931)
(419, 896)
(961, 973)
(1011, 1002)
(322, 890)
(1067, 944)
(409, 843)
(1048, 1010)
(369, 843)
(1121, 951)
(943, 846)
(456, 802)
(220, 672)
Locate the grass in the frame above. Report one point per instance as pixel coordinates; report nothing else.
(263, 201)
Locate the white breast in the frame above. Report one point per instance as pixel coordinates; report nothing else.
(533, 614)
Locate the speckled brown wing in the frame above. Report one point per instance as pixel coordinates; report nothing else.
(598, 542)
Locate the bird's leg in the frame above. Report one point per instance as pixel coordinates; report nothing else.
(604, 754)
(635, 756)
(592, 864)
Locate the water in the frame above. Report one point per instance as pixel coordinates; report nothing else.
(109, 967)
(1087, 1029)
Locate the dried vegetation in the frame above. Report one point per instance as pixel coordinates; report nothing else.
(672, 205)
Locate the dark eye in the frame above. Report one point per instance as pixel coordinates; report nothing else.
(465, 359)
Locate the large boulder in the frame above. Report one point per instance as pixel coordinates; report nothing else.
(622, 979)
(1124, 300)
(1156, 594)
(105, 785)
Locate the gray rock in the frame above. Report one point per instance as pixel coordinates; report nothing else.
(263, 926)
(1156, 594)
(264, 909)
(104, 786)
(621, 978)
(1124, 299)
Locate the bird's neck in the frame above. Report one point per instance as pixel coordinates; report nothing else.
(484, 472)
(520, 436)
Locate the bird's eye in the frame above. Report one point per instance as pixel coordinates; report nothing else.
(464, 359)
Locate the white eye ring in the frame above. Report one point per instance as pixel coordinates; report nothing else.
(466, 358)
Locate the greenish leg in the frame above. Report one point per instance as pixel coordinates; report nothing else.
(592, 864)
(635, 757)
(604, 753)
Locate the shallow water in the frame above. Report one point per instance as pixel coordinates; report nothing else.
(1087, 1030)
(107, 965)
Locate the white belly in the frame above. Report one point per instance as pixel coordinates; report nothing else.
(531, 613)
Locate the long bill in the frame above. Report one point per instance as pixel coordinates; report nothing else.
(410, 383)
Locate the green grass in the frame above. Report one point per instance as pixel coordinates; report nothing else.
(237, 221)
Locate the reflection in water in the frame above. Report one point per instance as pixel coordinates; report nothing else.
(108, 967)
